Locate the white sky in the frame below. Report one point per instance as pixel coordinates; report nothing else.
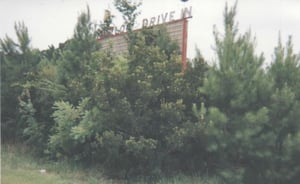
(53, 21)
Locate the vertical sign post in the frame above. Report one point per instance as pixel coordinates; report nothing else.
(184, 44)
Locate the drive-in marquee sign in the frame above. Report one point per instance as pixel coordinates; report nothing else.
(176, 25)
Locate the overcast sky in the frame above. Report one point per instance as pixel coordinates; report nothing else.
(52, 21)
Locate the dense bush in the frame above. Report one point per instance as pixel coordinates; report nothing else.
(140, 114)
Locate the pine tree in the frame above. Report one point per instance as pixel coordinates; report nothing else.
(18, 62)
(238, 89)
(77, 65)
(284, 113)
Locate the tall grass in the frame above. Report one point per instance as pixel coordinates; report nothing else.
(20, 167)
(181, 179)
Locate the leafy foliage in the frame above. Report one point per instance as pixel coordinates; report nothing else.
(140, 114)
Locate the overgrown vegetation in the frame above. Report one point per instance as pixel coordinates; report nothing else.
(20, 166)
(140, 115)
